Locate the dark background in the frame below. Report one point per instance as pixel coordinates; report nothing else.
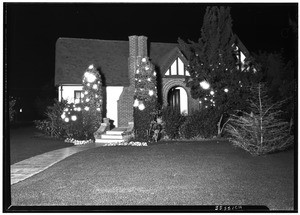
(31, 31)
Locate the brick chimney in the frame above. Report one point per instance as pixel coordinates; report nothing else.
(137, 50)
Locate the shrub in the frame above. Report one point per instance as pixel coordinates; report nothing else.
(56, 126)
(261, 131)
(202, 123)
(53, 125)
(142, 121)
(172, 121)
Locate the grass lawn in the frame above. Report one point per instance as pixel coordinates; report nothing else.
(26, 141)
(186, 173)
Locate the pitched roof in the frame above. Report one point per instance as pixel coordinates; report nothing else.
(73, 56)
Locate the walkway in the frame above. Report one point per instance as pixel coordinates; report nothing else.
(31, 166)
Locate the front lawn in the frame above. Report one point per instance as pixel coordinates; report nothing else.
(26, 141)
(195, 173)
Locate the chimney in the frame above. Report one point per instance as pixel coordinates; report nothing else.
(142, 46)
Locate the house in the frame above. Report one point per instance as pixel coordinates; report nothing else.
(116, 62)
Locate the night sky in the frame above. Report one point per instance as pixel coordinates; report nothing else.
(31, 31)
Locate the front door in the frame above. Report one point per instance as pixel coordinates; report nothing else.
(174, 99)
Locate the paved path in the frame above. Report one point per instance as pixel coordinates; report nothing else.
(31, 166)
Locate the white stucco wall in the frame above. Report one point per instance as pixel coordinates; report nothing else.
(112, 96)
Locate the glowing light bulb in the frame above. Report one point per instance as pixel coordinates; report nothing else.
(151, 93)
(136, 103)
(205, 85)
(73, 118)
(91, 66)
(63, 116)
(144, 60)
(226, 90)
(95, 87)
(90, 77)
(212, 92)
(98, 109)
(141, 106)
(86, 108)
(67, 119)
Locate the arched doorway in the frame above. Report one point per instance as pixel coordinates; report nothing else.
(178, 99)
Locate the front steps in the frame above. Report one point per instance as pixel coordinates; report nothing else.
(111, 136)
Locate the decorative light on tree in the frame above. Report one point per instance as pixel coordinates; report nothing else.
(205, 85)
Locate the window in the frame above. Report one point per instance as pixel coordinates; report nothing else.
(177, 68)
(77, 96)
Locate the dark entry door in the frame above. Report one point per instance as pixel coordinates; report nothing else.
(174, 99)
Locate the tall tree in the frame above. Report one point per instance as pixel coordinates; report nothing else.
(216, 79)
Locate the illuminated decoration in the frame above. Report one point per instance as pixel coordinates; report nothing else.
(90, 77)
(226, 90)
(137, 71)
(91, 66)
(88, 84)
(147, 67)
(85, 92)
(136, 103)
(205, 85)
(144, 60)
(200, 102)
(95, 86)
(151, 93)
(212, 92)
(79, 109)
(205, 106)
(98, 109)
(154, 73)
(87, 99)
(205, 98)
(66, 109)
(21, 110)
(63, 116)
(77, 101)
(67, 119)
(73, 118)
(141, 106)
(149, 79)
(86, 108)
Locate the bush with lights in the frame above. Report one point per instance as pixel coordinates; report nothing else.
(145, 98)
(84, 118)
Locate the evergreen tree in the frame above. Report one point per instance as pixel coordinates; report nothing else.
(216, 79)
(145, 98)
(92, 98)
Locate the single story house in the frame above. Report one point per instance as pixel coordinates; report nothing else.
(116, 62)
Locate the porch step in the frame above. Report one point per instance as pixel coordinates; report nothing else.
(112, 136)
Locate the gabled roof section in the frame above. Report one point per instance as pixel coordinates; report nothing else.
(241, 46)
(73, 56)
(170, 57)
